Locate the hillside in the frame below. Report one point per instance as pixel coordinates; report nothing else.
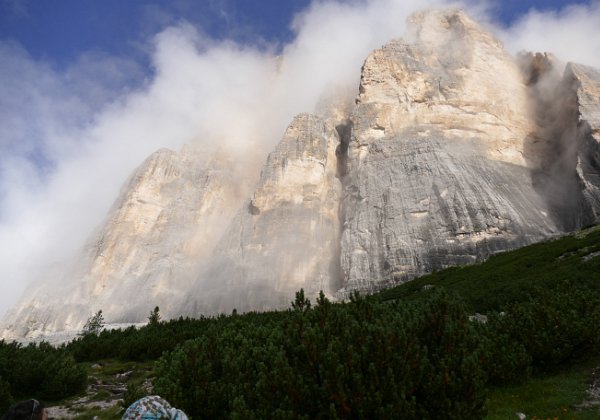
(412, 348)
(512, 276)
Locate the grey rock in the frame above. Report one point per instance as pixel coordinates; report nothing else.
(418, 204)
(590, 256)
(592, 399)
(586, 83)
(287, 236)
(482, 319)
(437, 173)
(145, 253)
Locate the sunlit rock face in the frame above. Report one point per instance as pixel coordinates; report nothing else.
(168, 216)
(437, 171)
(287, 236)
(450, 75)
(452, 152)
(586, 84)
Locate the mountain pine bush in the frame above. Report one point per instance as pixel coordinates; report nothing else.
(356, 360)
(42, 370)
(554, 326)
(6, 399)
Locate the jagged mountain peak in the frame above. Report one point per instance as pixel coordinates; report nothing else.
(453, 151)
(442, 78)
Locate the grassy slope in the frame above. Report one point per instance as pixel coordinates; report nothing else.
(545, 397)
(508, 277)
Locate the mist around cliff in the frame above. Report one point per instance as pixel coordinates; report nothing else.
(69, 138)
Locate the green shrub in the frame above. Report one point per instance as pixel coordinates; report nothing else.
(554, 326)
(357, 360)
(146, 343)
(133, 393)
(453, 386)
(6, 399)
(105, 345)
(505, 360)
(42, 370)
(63, 377)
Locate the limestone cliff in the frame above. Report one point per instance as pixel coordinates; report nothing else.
(287, 236)
(437, 161)
(453, 151)
(167, 216)
(586, 84)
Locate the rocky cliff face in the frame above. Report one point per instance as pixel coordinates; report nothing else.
(586, 84)
(167, 216)
(438, 170)
(287, 236)
(452, 152)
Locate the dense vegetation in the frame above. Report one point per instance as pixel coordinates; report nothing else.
(356, 360)
(39, 370)
(511, 277)
(410, 350)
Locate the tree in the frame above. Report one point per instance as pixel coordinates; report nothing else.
(322, 300)
(301, 303)
(154, 318)
(94, 324)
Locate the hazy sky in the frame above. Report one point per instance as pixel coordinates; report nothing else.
(90, 88)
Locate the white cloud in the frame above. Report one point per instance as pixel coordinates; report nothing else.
(68, 140)
(572, 34)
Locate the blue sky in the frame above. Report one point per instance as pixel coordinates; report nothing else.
(90, 88)
(60, 30)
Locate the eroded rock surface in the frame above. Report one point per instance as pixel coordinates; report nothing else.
(287, 236)
(586, 82)
(168, 216)
(438, 173)
(451, 75)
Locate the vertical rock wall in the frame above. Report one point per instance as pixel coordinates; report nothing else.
(586, 83)
(168, 215)
(437, 163)
(287, 236)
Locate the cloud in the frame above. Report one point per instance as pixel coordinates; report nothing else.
(571, 33)
(45, 121)
(70, 139)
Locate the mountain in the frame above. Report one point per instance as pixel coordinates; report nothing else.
(585, 82)
(453, 151)
(286, 237)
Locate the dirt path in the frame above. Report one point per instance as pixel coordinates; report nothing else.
(104, 395)
(593, 392)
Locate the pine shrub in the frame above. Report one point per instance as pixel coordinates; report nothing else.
(555, 326)
(356, 360)
(42, 370)
(6, 399)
